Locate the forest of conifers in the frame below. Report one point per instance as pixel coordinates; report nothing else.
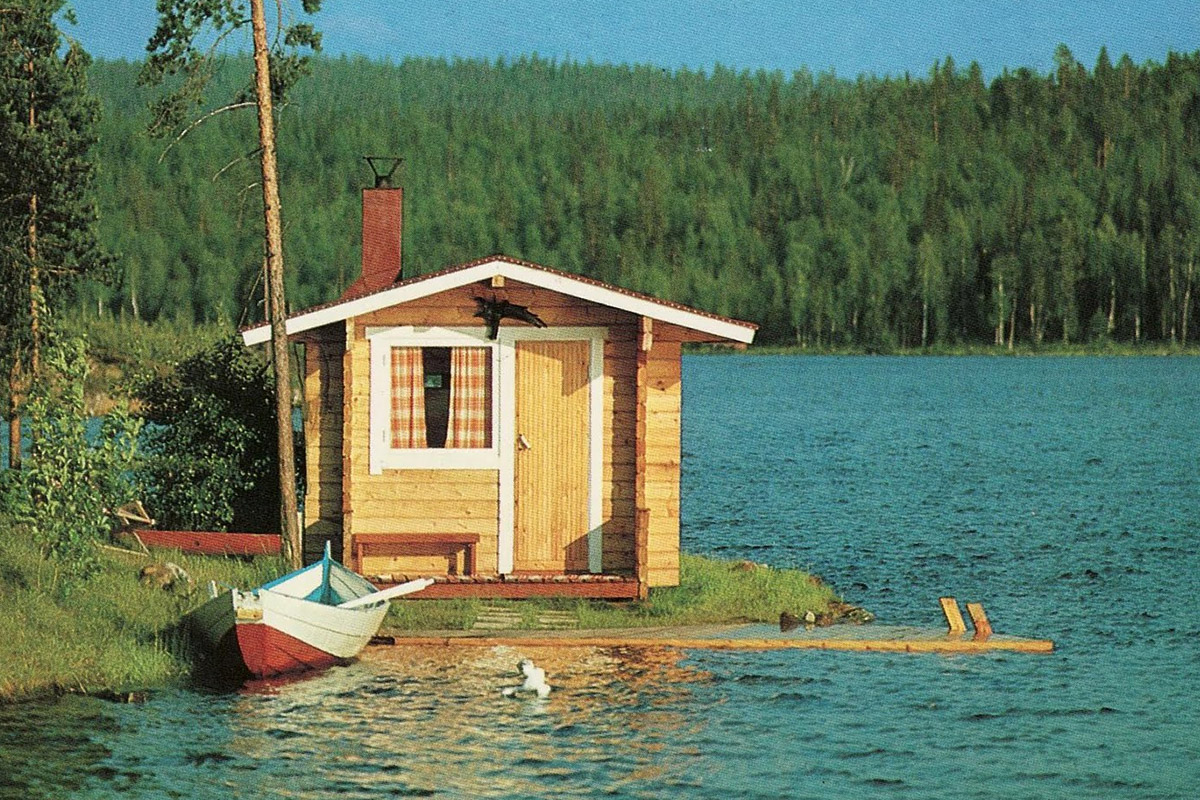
(872, 213)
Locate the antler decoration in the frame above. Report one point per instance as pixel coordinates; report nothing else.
(492, 311)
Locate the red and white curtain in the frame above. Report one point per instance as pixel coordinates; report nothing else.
(408, 397)
(470, 423)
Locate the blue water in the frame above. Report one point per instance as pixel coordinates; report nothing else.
(1062, 493)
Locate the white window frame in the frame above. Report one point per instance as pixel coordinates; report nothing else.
(382, 454)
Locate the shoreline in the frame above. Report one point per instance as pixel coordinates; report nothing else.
(114, 638)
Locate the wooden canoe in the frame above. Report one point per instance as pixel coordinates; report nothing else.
(213, 543)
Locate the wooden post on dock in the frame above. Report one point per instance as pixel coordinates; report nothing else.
(953, 615)
(983, 628)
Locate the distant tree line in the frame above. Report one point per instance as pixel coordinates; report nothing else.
(875, 213)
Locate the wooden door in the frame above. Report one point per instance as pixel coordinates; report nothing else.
(550, 493)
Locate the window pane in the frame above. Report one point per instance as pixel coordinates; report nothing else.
(437, 395)
(441, 397)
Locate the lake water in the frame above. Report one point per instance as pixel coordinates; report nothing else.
(1062, 493)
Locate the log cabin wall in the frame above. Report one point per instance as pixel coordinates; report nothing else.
(660, 452)
(412, 501)
(662, 455)
(467, 501)
(323, 428)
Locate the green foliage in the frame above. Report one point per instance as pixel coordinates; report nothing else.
(111, 632)
(184, 47)
(69, 486)
(210, 450)
(835, 213)
(48, 236)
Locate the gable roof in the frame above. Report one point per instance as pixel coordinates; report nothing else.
(517, 270)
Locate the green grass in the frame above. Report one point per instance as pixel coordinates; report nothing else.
(108, 633)
(709, 592)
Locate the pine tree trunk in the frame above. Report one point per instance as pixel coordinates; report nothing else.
(32, 252)
(14, 415)
(1188, 275)
(1112, 305)
(277, 308)
(1000, 313)
(35, 292)
(1172, 308)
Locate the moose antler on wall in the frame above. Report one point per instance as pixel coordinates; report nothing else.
(494, 310)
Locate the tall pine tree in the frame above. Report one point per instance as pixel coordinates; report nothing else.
(48, 236)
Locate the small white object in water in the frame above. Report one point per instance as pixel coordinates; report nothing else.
(535, 681)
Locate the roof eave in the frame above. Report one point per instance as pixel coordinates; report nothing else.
(719, 327)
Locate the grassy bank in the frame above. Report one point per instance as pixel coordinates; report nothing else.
(114, 634)
(710, 592)
(110, 633)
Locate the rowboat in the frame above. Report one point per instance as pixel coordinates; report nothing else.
(312, 618)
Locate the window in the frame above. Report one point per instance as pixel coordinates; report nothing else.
(432, 399)
(441, 397)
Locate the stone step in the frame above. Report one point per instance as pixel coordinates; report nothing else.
(493, 618)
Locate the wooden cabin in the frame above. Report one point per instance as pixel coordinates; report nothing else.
(536, 456)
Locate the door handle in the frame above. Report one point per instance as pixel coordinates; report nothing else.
(522, 442)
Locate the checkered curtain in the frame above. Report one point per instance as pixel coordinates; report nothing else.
(470, 422)
(408, 397)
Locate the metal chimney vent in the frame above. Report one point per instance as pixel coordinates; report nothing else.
(383, 179)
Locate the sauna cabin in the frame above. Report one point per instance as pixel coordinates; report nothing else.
(504, 427)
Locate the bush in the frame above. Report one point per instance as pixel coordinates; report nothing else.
(211, 448)
(69, 486)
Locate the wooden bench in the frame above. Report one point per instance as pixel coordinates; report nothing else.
(379, 541)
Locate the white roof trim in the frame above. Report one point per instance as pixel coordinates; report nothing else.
(517, 272)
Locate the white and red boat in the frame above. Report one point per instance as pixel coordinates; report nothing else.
(308, 619)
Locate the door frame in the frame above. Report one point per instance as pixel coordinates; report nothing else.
(507, 413)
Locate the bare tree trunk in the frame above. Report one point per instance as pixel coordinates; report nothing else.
(1012, 323)
(35, 291)
(14, 414)
(1000, 313)
(1112, 305)
(16, 399)
(1188, 275)
(1172, 308)
(924, 323)
(277, 308)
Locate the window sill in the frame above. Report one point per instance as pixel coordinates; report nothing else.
(436, 458)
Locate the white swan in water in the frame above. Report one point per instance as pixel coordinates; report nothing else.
(535, 681)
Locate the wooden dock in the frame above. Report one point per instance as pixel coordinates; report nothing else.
(860, 638)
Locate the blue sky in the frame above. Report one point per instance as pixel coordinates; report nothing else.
(848, 36)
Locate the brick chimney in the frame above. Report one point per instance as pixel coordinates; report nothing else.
(382, 224)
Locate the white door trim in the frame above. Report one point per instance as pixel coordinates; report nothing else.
(508, 337)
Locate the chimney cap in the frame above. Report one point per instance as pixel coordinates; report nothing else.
(377, 164)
